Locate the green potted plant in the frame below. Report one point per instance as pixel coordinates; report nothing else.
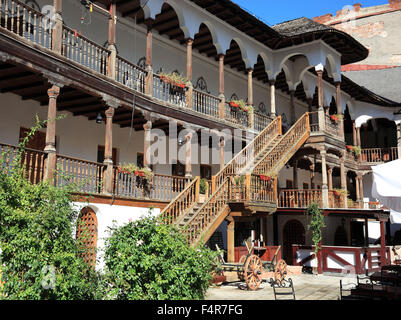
(177, 81)
(237, 183)
(143, 177)
(203, 190)
(340, 192)
(316, 225)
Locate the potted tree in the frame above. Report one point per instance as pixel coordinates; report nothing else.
(203, 190)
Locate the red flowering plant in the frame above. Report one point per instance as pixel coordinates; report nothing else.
(133, 169)
(174, 79)
(264, 178)
(240, 105)
(334, 118)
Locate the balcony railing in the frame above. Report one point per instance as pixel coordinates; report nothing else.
(167, 92)
(236, 116)
(332, 126)
(130, 75)
(260, 121)
(205, 103)
(378, 155)
(26, 22)
(329, 126)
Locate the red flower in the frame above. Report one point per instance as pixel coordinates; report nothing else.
(334, 118)
(234, 105)
(349, 147)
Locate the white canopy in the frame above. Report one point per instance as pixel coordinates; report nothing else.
(386, 187)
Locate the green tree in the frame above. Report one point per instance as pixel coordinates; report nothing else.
(39, 257)
(316, 224)
(149, 260)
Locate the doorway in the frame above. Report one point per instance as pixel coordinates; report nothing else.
(293, 233)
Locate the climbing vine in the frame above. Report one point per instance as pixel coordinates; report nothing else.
(316, 224)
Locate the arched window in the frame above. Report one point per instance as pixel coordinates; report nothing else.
(87, 234)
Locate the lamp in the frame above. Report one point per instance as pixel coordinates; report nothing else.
(99, 118)
(181, 141)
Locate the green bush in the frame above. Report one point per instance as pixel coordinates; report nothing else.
(316, 224)
(39, 257)
(148, 260)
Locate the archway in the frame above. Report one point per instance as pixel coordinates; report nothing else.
(87, 234)
(293, 233)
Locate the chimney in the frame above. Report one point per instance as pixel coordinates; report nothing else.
(395, 4)
(323, 19)
(357, 6)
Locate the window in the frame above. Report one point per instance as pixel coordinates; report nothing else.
(179, 169)
(100, 155)
(139, 160)
(206, 172)
(87, 233)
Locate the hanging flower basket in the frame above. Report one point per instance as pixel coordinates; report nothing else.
(334, 118)
(349, 148)
(176, 80)
(264, 178)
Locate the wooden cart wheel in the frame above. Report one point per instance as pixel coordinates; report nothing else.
(280, 271)
(253, 272)
(240, 274)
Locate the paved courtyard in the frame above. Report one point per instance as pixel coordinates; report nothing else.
(307, 287)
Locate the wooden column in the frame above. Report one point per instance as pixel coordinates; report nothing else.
(147, 136)
(295, 174)
(330, 178)
(361, 195)
(112, 62)
(57, 32)
(358, 197)
(189, 58)
(108, 152)
(354, 139)
(325, 193)
(343, 177)
(382, 243)
(222, 145)
(231, 240)
(272, 99)
(358, 137)
(321, 111)
(366, 233)
(250, 87)
(312, 176)
(50, 147)
(339, 107)
(188, 155)
(292, 106)
(222, 105)
(149, 58)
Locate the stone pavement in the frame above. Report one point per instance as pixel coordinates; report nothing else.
(307, 287)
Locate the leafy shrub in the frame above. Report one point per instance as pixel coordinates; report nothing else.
(203, 186)
(148, 260)
(316, 224)
(39, 257)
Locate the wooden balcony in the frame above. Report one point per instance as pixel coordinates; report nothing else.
(87, 176)
(378, 155)
(31, 27)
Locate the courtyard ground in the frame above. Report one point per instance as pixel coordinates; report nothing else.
(307, 287)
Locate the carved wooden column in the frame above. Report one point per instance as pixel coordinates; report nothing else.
(222, 145)
(312, 176)
(358, 137)
(230, 240)
(325, 192)
(222, 105)
(57, 32)
(330, 177)
(50, 147)
(250, 97)
(189, 58)
(146, 150)
(108, 152)
(382, 243)
(339, 107)
(321, 111)
(292, 106)
(112, 62)
(343, 177)
(358, 197)
(272, 99)
(354, 140)
(295, 174)
(188, 155)
(149, 57)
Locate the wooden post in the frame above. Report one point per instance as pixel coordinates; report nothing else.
(295, 174)
(250, 87)
(231, 240)
(248, 186)
(188, 155)
(222, 104)
(366, 233)
(399, 139)
(330, 178)
(312, 176)
(112, 61)
(325, 193)
(382, 243)
(147, 136)
(292, 106)
(149, 57)
(50, 147)
(343, 177)
(358, 137)
(108, 152)
(354, 140)
(222, 160)
(339, 107)
(57, 32)
(189, 58)
(272, 99)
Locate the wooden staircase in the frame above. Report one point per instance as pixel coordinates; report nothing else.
(265, 155)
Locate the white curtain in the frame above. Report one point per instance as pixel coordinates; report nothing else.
(386, 187)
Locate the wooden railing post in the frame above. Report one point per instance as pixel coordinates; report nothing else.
(248, 191)
(149, 58)
(197, 187)
(57, 32)
(213, 184)
(112, 65)
(108, 154)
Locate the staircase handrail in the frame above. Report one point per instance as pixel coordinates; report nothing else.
(182, 203)
(259, 144)
(292, 138)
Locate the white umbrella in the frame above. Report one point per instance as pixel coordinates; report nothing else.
(387, 187)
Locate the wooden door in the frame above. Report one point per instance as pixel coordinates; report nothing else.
(34, 162)
(293, 233)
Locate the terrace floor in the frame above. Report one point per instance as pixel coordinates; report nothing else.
(307, 287)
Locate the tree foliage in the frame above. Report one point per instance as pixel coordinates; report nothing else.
(316, 224)
(39, 257)
(148, 260)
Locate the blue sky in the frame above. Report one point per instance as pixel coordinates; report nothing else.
(276, 11)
